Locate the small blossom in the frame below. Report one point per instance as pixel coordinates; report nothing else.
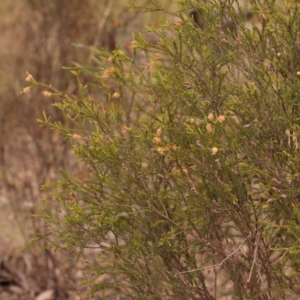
(116, 95)
(76, 136)
(156, 140)
(298, 73)
(134, 44)
(29, 77)
(107, 73)
(47, 94)
(178, 24)
(220, 119)
(158, 132)
(161, 150)
(26, 89)
(173, 147)
(185, 171)
(209, 127)
(214, 150)
(110, 59)
(210, 117)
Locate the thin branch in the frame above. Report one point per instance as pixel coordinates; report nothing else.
(254, 258)
(254, 263)
(221, 263)
(260, 277)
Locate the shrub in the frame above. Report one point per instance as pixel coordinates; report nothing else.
(189, 185)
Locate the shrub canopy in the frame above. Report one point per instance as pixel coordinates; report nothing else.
(190, 159)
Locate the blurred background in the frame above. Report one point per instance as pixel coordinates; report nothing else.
(39, 37)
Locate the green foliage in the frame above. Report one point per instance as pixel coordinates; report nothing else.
(189, 184)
